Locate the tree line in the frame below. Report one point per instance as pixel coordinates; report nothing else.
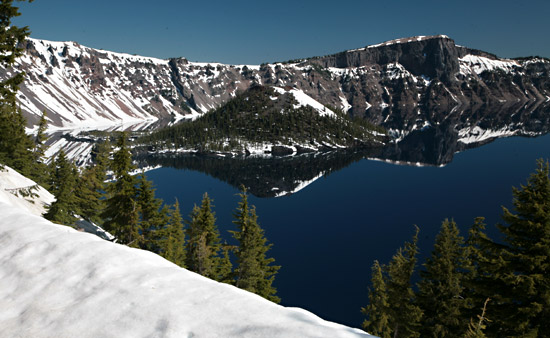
(472, 286)
(125, 205)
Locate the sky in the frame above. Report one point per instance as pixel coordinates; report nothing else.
(253, 32)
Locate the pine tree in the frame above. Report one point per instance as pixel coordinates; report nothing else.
(152, 218)
(173, 244)
(63, 184)
(91, 185)
(40, 138)
(203, 242)
(40, 168)
(225, 267)
(15, 145)
(441, 289)
(121, 214)
(378, 307)
(522, 268)
(478, 280)
(89, 195)
(404, 314)
(254, 271)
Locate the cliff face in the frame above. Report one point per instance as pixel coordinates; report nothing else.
(403, 85)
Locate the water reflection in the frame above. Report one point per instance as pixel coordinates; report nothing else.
(434, 144)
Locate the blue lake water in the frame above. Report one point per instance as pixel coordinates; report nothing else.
(327, 235)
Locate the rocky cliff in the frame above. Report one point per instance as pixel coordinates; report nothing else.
(404, 85)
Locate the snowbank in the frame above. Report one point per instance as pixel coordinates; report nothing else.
(23, 193)
(58, 282)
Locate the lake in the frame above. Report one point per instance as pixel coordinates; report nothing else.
(327, 235)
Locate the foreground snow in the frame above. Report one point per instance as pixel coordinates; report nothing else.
(57, 282)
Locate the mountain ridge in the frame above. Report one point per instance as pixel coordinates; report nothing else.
(400, 84)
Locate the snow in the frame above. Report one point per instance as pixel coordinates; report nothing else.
(403, 40)
(476, 134)
(12, 187)
(306, 100)
(479, 64)
(58, 282)
(301, 185)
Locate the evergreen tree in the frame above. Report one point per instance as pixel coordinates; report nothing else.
(91, 186)
(378, 307)
(441, 289)
(152, 218)
(89, 195)
(63, 184)
(225, 267)
(121, 214)
(40, 139)
(478, 281)
(41, 169)
(404, 314)
(522, 304)
(173, 247)
(15, 145)
(254, 271)
(203, 242)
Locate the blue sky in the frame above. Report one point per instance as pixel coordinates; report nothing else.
(252, 32)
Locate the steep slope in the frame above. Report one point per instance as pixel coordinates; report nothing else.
(23, 193)
(401, 84)
(57, 282)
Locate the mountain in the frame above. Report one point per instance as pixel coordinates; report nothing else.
(58, 282)
(266, 120)
(403, 85)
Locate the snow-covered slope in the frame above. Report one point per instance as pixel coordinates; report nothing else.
(23, 193)
(398, 84)
(58, 282)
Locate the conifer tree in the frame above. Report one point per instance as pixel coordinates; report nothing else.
(521, 270)
(63, 185)
(91, 185)
(404, 314)
(15, 145)
(89, 195)
(203, 244)
(40, 168)
(121, 214)
(478, 281)
(173, 245)
(377, 310)
(254, 271)
(40, 138)
(441, 289)
(152, 218)
(225, 267)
